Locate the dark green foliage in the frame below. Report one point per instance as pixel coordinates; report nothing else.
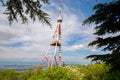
(25, 9)
(56, 73)
(112, 59)
(107, 21)
(8, 75)
(89, 72)
(114, 76)
(95, 72)
(102, 58)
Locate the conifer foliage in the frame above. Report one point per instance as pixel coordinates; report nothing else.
(107, 21)
(25, 9)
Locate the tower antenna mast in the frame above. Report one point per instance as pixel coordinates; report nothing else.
(56, 43)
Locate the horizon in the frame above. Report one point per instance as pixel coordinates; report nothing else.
(21, 42)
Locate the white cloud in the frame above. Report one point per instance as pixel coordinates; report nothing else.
(73, 48)
(36, 37)
(93, 50)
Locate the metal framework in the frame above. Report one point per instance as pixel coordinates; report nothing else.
(55, 59)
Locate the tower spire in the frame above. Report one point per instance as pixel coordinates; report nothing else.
(60, 12)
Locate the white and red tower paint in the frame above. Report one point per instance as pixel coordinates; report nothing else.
(55, 59)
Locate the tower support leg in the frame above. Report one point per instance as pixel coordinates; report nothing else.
(59, 57)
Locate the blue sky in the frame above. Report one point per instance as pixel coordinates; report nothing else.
(29, 42)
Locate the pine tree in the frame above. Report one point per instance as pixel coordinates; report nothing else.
(24, 10)
(107, 21)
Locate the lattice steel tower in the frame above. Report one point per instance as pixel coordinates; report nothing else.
(55, 59)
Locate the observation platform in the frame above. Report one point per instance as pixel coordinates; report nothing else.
(55, 43)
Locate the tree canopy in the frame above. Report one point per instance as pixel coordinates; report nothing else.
(107, 21)
(25, 10)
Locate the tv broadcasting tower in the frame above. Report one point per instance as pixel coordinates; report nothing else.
(55, 59)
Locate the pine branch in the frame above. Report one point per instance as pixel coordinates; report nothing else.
(16, 9)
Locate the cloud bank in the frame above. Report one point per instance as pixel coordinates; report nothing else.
(30, 41)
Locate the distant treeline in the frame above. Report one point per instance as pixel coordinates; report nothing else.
(17, 67)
